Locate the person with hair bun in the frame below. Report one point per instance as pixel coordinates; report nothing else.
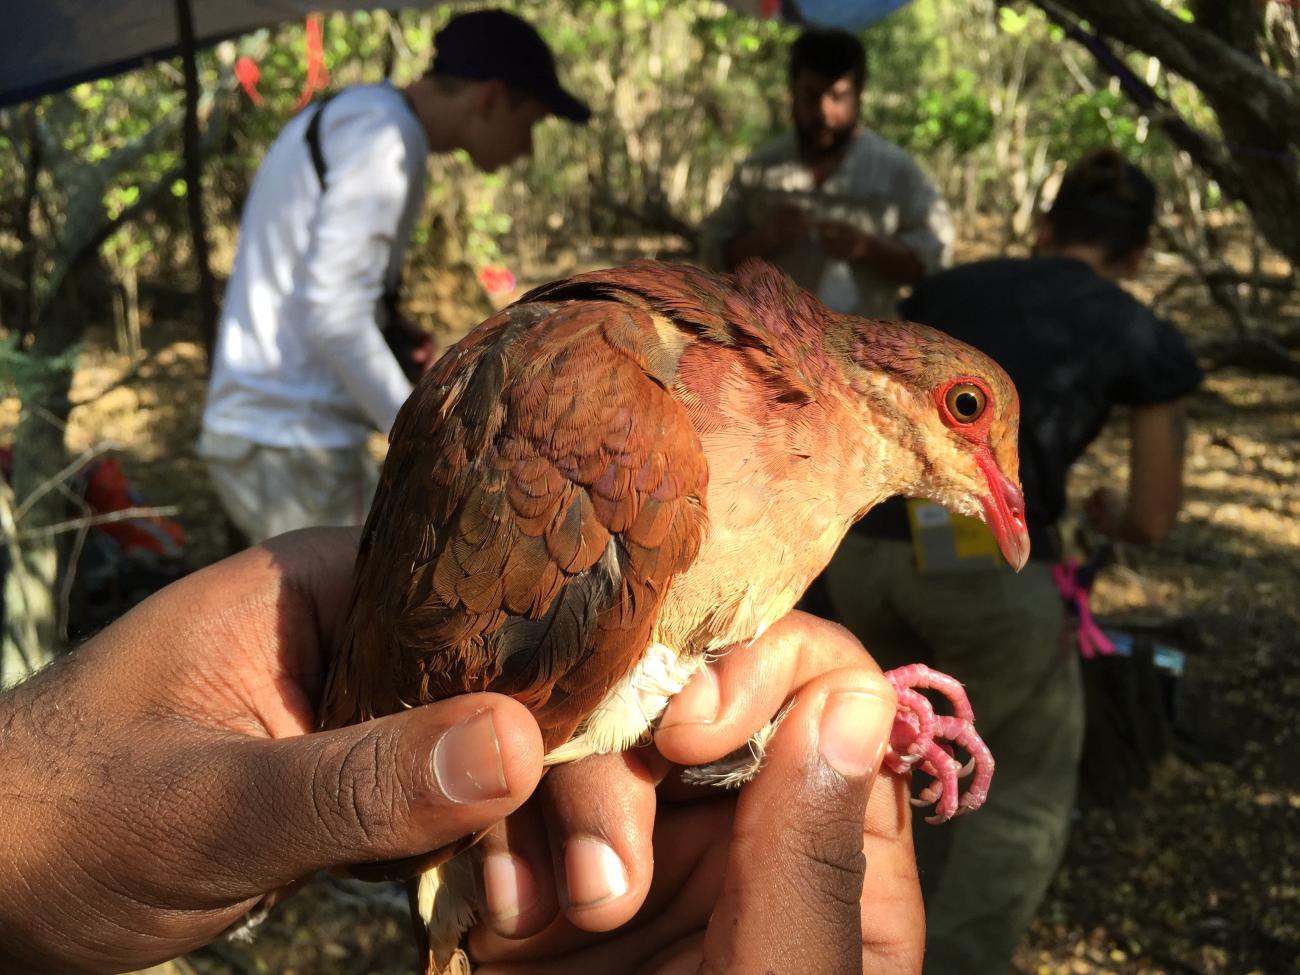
(914, 583)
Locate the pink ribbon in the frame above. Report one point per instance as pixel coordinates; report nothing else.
(1092, 640)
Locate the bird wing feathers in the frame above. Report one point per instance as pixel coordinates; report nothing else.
(541, 490)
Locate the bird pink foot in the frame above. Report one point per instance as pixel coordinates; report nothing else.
(921, 738)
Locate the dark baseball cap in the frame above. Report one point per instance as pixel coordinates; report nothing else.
(492, 45)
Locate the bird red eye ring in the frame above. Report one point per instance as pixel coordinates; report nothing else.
(964, 402)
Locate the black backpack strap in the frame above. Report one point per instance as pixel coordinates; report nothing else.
(313, 141)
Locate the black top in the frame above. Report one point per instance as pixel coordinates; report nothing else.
(1074, 344)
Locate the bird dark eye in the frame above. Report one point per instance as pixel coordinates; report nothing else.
(966, 402)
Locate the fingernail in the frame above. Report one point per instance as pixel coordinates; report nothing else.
(854, 732)
(698, 702)
(509, 887)
(467, 761)
(593, 873)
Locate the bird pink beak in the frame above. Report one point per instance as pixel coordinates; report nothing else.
(1004, 512)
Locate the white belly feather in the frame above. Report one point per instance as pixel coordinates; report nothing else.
(633, 705)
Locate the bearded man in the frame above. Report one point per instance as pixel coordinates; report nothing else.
(847, 214)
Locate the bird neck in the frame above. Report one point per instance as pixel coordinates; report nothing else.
(856, 459)
(887, 459)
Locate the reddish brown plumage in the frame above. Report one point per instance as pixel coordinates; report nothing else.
(519, 458)
(636, 455)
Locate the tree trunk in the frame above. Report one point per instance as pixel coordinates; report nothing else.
(31, 634)
(28, 598)
(1258, 110)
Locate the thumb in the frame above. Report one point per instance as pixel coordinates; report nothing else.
(793, 898)
(390, 788)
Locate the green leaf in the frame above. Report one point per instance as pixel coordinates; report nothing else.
(1012, 22)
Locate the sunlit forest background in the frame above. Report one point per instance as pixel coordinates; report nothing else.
(103, 353)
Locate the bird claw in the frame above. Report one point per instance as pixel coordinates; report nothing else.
(923, 739)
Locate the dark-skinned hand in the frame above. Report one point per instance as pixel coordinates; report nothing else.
(769, 878)
(843, 241)
(784, 226)
(158, 781)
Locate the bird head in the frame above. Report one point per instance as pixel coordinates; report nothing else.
(941, 418)
(954, 411)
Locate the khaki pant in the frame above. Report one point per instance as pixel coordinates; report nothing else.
(1001, 634)
(271, 490)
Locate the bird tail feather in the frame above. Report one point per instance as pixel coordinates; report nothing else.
(442, 910)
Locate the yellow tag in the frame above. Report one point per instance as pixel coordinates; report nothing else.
(946, 542)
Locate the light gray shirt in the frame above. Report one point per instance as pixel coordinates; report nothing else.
(877, 189)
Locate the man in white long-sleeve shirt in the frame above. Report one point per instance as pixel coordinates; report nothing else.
(302, 372)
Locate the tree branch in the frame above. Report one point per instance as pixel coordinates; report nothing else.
(89, 454)
(1198, 55)
(108, 518)
(1208, 153)
(1257, 160)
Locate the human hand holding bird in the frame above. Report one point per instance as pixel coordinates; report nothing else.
(765, 878)
(163, 774)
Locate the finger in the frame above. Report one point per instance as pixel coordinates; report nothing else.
(690, 847)
(267, 619)
(317, 565)
(600, 815)
(519, 897)
(893, 928)
(736, 695)
(399, 786)
(793, 887)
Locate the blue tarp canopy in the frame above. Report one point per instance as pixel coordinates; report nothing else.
(53, 44)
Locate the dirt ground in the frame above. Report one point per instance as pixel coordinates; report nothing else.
(1198, 872)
